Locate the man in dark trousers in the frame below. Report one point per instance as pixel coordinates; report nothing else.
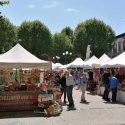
(105, 79)
(63, 84)
(113, 85)
(69, 84)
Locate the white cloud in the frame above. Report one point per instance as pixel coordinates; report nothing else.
(51, 5)
(31, 6)
(72, 10)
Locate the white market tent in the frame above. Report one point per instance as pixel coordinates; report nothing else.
(18, 57)
(90, 62)
(64, 66)
(116, 61)
(56, 66)
(78, 62)
(104, 58)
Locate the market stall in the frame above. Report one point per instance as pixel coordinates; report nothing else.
(78, 62)
(120, 94)
(117, 65)
(88, 64)
(56, 66)
(103, 59)
(20, 88)
(18, 57)
(118, 61)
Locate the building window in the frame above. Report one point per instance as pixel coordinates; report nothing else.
(119, 46)
(124, 45)
(115, 48)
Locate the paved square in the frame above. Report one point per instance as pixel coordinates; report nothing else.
(96, 112)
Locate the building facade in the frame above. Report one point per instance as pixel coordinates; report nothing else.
(119, 45)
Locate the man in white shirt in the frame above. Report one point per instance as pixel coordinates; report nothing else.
(69, 87)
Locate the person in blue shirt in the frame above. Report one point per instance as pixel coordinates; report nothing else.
(113, 85)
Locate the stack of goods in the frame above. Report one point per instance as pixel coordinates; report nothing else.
(47, 106)
(19, 80)
(55, 90)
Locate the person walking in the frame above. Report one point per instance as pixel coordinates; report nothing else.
(83, 85)
(105, 80)
(69, 84)
(113, 85)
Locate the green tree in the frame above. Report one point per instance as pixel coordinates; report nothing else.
(95, 33)
(35, 37)
(61, 43)
(7, 34)
(68, 32)
(24, 35)
(3, 3)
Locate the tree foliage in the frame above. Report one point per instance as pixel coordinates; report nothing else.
(3, 3)
(95, 33)
(61, 43)
(68, 32)
(7, 34)
(35, 37)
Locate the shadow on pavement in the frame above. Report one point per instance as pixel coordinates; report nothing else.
(87, 103)
(118, 103)
(19, 114)
(90, 93)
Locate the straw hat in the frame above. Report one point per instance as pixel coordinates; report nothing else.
(84, 73)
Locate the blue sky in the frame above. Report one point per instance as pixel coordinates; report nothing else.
(56, 14)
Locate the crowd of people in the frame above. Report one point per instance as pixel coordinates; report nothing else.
(90, 81)
(66, 82)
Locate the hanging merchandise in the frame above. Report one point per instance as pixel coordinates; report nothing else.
(17, 76)
(43, 85)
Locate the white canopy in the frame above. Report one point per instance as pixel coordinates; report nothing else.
(56, 66)
(78, 62)
(90, 62)
(117, 61)
(65, 66)
(104, 58)
(18, 57)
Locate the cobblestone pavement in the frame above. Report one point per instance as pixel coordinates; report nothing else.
(96, 112)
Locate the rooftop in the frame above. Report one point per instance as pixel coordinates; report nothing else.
(123, 34)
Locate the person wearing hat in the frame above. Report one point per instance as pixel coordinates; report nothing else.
(83, 85)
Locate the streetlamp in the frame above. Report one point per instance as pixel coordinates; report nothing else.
(66, 54)
(70, 53)
(56, 58)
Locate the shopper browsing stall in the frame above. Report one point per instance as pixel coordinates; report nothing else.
(105, 80)
(113, 85)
